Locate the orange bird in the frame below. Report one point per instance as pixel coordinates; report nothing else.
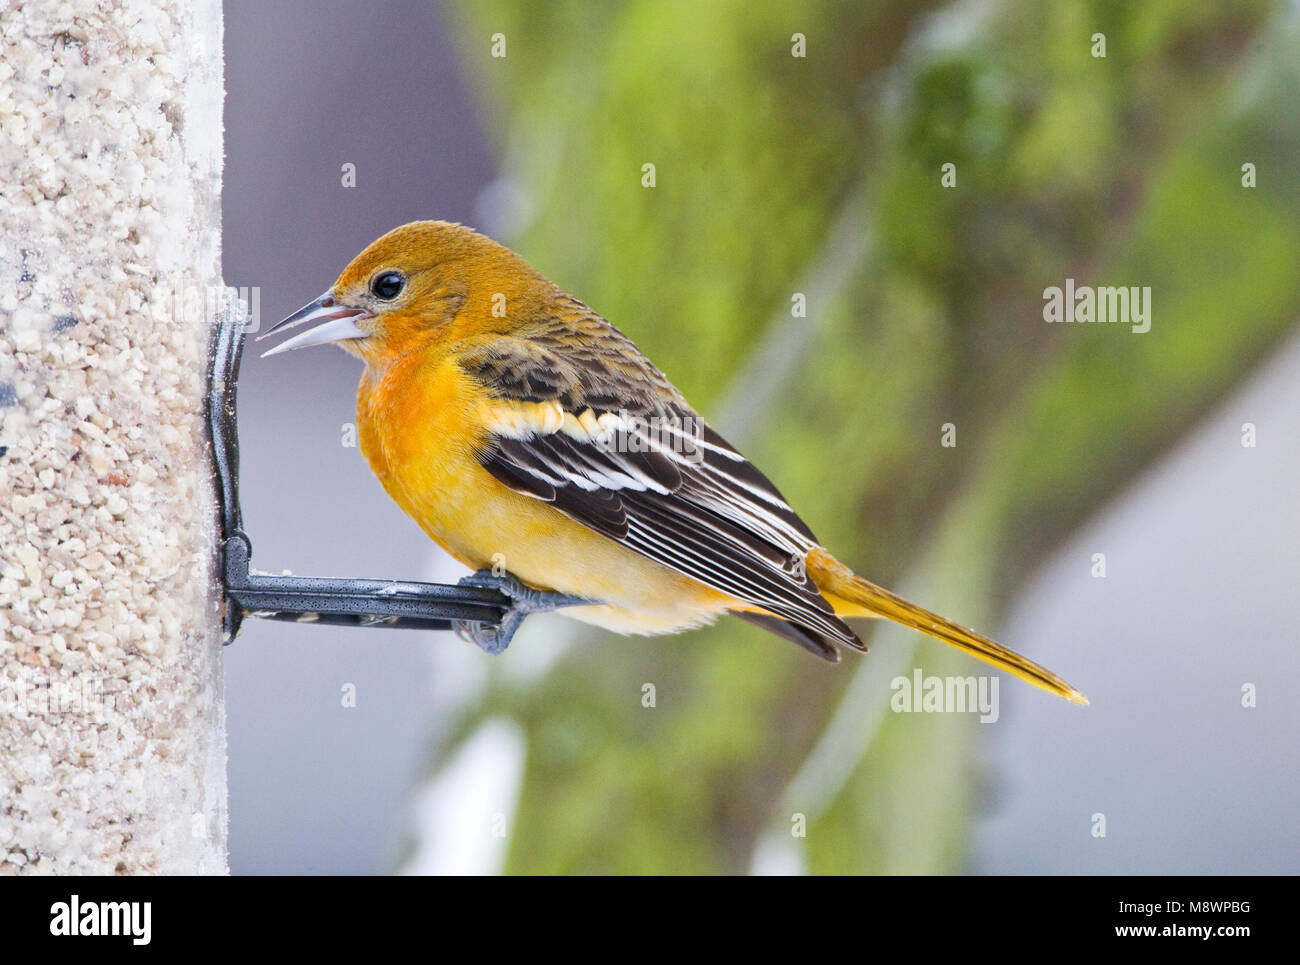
(522, 430)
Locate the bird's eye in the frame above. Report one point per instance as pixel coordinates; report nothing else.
(388, 285)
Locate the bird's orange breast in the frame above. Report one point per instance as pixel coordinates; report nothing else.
(419, 425)
(416, 427)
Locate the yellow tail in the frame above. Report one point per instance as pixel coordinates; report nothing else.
(852, 596)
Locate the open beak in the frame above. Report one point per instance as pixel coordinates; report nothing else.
(339, 323)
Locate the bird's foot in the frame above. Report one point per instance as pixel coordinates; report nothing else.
(524, 600)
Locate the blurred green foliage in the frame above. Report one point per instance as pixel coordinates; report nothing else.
(1123, 170)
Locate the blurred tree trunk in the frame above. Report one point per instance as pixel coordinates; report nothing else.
(1119, 170)
(112, 727)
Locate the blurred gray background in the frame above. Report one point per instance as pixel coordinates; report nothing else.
(1190, 781)
(319, 788)
(316, 787)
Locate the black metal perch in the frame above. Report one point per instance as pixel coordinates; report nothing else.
(311, 599)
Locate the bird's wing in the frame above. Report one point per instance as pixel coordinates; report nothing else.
(582, 420)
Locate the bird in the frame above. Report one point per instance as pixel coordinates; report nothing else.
(535, 443)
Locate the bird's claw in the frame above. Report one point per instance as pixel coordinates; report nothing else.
(524, 600)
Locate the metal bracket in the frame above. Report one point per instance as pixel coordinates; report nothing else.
(309, 599)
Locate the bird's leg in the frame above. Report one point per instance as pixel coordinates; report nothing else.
(524, 600)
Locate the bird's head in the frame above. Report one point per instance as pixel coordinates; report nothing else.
(407, 288)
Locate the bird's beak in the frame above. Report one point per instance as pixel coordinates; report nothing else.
(340, 324)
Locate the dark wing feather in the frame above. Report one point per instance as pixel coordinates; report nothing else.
(814, 643)
(680, 495)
